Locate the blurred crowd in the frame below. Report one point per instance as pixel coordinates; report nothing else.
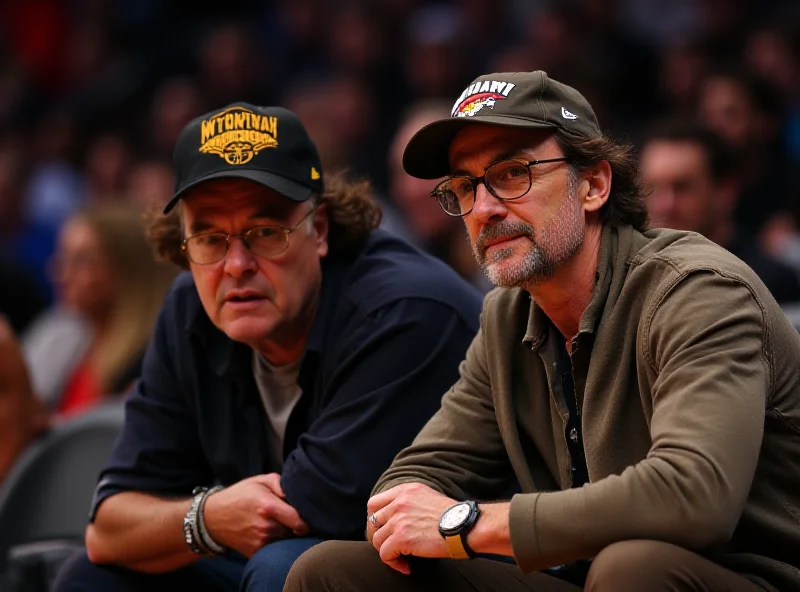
(93, 94)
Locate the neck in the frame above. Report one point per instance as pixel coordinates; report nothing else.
(565, 296)
(288, 345)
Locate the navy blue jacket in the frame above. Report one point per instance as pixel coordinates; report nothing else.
(392, 327)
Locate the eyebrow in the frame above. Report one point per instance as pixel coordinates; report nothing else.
(510, 154)
(264, 211)
(198, 226)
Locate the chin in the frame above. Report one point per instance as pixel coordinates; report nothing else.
(247, 330)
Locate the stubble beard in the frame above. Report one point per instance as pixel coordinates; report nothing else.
(548, 249)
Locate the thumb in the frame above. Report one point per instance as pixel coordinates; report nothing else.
(271, 481)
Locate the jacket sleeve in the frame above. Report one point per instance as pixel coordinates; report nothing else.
(387, 380)
(703, 343)
(459, 452)
(159, 450)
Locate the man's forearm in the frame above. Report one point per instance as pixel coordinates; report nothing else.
(141, 532)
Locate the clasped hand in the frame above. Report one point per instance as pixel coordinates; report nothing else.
(407, 523)
(252, 513)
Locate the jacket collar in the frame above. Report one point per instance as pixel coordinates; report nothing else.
(618, 246)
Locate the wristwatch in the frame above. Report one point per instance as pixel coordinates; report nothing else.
(454, 526)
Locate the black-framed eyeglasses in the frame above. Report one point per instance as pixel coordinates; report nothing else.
(506, 180)
(264, 241)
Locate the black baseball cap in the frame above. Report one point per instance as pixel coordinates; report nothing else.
(527, 100)
(267, 145)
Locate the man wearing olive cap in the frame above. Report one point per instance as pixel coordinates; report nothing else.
(642, 386)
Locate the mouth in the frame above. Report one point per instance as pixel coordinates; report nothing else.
(244, 298)
(500, 241)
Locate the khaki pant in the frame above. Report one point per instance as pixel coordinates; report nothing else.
(646, 566)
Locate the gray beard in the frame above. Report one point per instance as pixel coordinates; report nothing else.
(555, 244)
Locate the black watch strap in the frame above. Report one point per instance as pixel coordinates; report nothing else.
(464, 534)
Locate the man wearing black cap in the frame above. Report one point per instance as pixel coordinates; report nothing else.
(302, 352)
(642, 386)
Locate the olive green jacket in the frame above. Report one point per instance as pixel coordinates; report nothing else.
(687, 377)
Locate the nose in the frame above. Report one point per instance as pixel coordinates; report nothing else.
(239, 260)
(487, 208)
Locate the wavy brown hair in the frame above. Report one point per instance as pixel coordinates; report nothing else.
(626, 204)
(352, 212)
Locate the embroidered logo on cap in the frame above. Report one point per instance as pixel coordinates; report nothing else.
(567, 115)
(237, 134)
(314, 174)
(479, 95)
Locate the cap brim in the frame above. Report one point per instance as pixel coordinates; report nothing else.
(286, 187)
(426, 155)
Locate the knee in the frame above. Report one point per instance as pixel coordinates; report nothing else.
(329, 562)
(630, 565)
(267, 569)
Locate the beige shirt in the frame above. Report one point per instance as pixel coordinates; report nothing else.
(688, 377)
(279, 392)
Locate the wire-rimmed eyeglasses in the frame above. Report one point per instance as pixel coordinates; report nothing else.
(264, 241)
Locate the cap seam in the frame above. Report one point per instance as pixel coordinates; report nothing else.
(541, 95)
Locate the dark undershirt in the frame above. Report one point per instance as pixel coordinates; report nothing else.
(573, 431)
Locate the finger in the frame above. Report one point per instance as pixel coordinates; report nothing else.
(275, 531)
(286, 514)
(384, 498)
(271, 481)
(381, 534)
(400, 564)
(373, 522)
(391, 554)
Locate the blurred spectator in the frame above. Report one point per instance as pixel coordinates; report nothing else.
(109, 291)
(298, 32)
(149, 182)
(22, 240)
(22, 415)
(435, 61)
(774, 53)
(232, 68)
(689, 172)
(441, 235)
(38, 31)
(742, 110)
(683, 69)
(55, 189)
(340, 114)
(664, 22)
(106, 170)
(175, 103)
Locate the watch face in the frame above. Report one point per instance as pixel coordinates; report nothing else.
(454, 517)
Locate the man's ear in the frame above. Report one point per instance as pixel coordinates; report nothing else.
(320, 227)
(597, 181)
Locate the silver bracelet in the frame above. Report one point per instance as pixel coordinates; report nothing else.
(190, 532)
(213, 547)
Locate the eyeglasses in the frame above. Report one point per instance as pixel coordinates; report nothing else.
(264, 241)
(506, 180)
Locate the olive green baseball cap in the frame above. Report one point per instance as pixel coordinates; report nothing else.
(525, 100)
